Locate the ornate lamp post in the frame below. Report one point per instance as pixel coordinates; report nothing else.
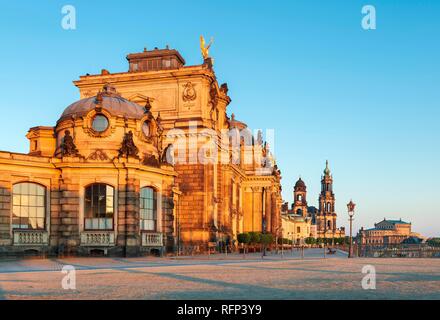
(350, 208)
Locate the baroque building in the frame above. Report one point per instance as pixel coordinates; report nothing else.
(319, 223)
(296, 222)
(326, 215)
(146, 160)
(387, 232)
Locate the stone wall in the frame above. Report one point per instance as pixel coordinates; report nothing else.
(69, 238)
(128, 217)
(5, 214)
(191, 180)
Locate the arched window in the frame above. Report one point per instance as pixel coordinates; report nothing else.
(329, 206)
(299, 198)
(329, 224)
(28, 206)
(299, 212)
(99, 207)
(148, 209)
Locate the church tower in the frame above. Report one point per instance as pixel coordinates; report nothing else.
(326, 220)
(300, 198)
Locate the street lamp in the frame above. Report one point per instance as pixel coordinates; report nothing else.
(350, 208)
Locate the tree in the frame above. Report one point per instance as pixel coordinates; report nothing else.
(433, 242)
(310, 241)
(244, 239)
(265, 239)
(255, 238)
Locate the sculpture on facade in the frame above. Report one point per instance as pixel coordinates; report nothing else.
(151, 160)
(189, 93)
(68, 148)
(168, 155)
(147, 106)
(128, 148)
(204, 48)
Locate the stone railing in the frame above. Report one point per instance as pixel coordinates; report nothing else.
(98, 238)
(29, 238)
(152, 239)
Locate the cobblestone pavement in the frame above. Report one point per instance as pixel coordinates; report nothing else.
(222, 277)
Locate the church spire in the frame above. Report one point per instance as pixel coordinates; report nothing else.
(326, 170)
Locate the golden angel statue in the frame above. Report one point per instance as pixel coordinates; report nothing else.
(205, 49)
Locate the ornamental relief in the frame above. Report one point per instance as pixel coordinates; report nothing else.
(98, 155)
(189, 93)
(88, 124)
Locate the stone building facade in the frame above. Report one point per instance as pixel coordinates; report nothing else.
(326, 216)
(386, 232)
(319, 222)
(143, 161)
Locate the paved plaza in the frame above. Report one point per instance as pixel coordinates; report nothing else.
(222, 277)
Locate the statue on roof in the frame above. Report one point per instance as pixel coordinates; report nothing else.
(204, 48)
(128, 147)
(68, 148)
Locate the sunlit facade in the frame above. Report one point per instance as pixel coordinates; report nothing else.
(111, 177)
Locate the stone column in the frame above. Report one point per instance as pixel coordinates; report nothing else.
(168, 220)
(128, 237)
(68, 216)
(55, 236)
(268, 209)
(5, 214)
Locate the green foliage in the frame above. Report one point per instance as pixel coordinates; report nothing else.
(266, 238)
(255, 237)
(311, 240)
(434, 242)
(284, 241)
(244, 238)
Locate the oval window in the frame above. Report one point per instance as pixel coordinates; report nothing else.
(100, 123)
(146, 128)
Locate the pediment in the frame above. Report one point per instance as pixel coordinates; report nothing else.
(140, 99)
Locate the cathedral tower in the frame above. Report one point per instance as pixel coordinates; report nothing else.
(326, 220)
(300, 198)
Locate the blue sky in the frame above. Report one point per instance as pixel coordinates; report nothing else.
(368, 101)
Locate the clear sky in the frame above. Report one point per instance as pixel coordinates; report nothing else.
(368, 101)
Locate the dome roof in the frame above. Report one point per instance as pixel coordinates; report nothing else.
(236, 124)
(110, 101)
(300, 185)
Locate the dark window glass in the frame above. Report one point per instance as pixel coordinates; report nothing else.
(28, 206)
(100, 123)
(148, 209)
(99, 207)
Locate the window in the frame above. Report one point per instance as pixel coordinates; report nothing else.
(148, 209)
(298, 229)
(328, 207)
(99, 207)
(100, 123)
(299, 198)
(146, 128)
(28, 206)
